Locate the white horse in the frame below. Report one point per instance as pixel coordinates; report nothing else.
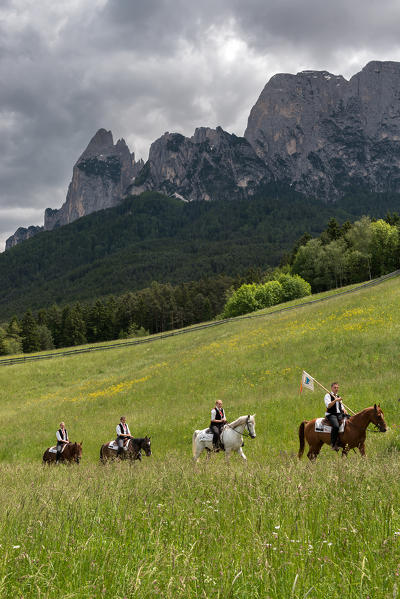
(231, 437)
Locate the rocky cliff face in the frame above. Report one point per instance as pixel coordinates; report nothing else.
(22, 234)
(316, 131)
(211, 165)
(324, 134)
(100, 176)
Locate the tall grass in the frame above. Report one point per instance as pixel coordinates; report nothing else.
(163, 529)
(275, 527)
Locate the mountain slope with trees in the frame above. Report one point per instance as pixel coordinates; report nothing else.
(155, 238)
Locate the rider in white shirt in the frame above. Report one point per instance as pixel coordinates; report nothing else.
(335, 413)
(62, 439)
(218, 420)
(123, 433)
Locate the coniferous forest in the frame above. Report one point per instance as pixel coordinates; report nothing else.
(155, 263)
(155, 238)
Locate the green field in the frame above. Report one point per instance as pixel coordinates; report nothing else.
(274, 527)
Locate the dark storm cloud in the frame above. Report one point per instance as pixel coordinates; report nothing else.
(69, 67)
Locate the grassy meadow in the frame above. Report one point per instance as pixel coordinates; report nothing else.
(272, 528)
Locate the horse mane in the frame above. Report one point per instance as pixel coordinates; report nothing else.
(238, 421)
(365, 410)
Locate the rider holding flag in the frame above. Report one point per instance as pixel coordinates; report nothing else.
(335, 412)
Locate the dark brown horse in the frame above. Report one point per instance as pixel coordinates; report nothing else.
(71, 453)
(353, 436)
(133, 450)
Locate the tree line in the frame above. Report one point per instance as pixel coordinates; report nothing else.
(348, 253)
(156, 238)
(158, 308)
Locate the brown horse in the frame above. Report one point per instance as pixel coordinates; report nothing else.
(353, 436)
(133, 450)
(71, 453)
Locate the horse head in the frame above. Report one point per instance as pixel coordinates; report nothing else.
(378, 419)
(146, 446)
(251, 425)
(77, 452)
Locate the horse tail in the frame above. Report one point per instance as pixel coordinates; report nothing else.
(194, 442)
(101, 454)
(301, 438)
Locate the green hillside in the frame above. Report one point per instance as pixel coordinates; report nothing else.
(154, 238)
(164, 528)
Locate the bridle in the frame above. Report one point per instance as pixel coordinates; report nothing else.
(379, 428)
(244, 434)
(147, 448)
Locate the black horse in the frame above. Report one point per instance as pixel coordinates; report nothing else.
(132, 452)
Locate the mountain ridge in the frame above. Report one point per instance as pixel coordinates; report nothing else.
(315, 131)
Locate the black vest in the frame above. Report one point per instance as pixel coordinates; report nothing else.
(121, 428)
(218, 416)
(63, 435)
(333, 409)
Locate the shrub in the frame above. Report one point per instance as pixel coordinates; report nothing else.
(268, 294)
(241, 301)
(293, 287)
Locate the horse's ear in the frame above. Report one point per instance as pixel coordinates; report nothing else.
(375, 407)
(81, 443)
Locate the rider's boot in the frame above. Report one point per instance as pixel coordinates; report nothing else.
(335, 439)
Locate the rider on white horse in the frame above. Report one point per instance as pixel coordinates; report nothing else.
(218, 420)
(232, 437)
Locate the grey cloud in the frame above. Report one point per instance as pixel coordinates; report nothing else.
(158, 26)
(320, 31)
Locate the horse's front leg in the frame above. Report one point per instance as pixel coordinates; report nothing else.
(241, 453)
(198, 451)
(227, 455)
(361, 447)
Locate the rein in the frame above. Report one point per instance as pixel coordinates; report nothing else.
(377, 428)
(244, 434)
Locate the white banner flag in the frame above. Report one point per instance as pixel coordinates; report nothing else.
(307, 381)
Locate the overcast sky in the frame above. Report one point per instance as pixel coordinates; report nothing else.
(143, 67)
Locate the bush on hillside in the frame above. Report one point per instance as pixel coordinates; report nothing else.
(251, 297)
(268, 294)
(293, 287)
(241, 301)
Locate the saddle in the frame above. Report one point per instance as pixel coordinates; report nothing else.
(207, 436)
(322, 425)
(114, 445)
(54, 448)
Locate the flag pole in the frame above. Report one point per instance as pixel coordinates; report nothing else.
(325, 389)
